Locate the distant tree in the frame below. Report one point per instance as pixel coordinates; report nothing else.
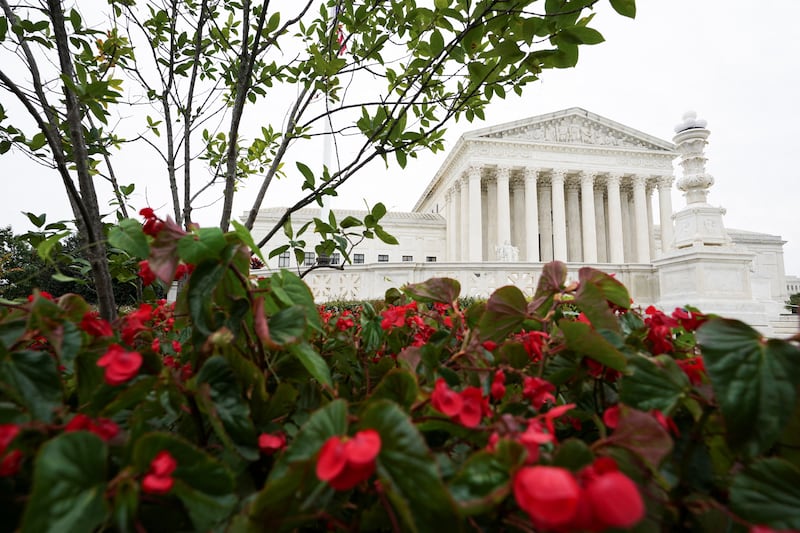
(389, 74)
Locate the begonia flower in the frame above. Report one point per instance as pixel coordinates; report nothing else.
(270, 443)
(690, 320)
(345, 462)
(120, 365)
(11, 463)
(8, 432)
(549, 495)
(104, 428)
(147, 275)
(445, 400)
(538, 391)
(615, 500)
(95, 326)
(159, 479)
(694, 368)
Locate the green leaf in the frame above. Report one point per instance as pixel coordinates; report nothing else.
(69, 483)
(298, 294)
(202, 483)
(207, 244)
(506, 310)
(398, 385)
(626, 8)
(582, 35)
(31, 379)
(441, 290)
(573, 454)
(288, 325)
(313, 362)
(128, 236)
(768, 493)
(37, 141)
(385, 237)
(585, 341)
(754, 381)
(484, 479)
(597, 289)
(408, 471)
(228, 403)
(202, 283)
(652, 386)
(244, 235)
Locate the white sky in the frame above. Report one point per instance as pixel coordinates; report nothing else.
(736, 63)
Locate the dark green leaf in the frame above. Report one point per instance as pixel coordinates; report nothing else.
(585, 341)
(484, 479)
(754, 381)
(31, 379)
(573, 454)
(244, 235)
(442, 290)
(626, 8)
(768, 493)
(69, 483)
(313, 362)
(398, 385)
(654, 386)
(288, 325)
(207, 244)
(408, 472)
(202, 283)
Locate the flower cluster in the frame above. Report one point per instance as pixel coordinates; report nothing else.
(120, 365)
(466, 408)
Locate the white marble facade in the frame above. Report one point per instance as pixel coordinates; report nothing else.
(580, 188)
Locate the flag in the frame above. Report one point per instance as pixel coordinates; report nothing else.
(340, 40)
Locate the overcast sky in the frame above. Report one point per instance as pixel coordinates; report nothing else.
(736, 63)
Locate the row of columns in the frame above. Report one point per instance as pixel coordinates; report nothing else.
(576, 213)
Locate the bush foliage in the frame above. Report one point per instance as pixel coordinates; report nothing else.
(244, 407)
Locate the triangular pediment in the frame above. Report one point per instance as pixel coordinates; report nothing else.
(574, 126)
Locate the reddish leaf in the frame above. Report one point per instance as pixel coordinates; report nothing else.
(640, 433)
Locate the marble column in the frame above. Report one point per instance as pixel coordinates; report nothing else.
(546, 221)
(574, 251)
(451, 202)
(665, 212)
(615, 242)
(600, 222)
(474, 226)
(463, 222)
(503, 213)
(531, 216)
(518, 216)
(559, 215)
(651, 234)
(640, 220)
(589, 224)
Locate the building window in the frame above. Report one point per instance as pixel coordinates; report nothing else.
(309, 259)
(408, 258)
(283, 260)
(430, 259)
(334, 259)
(358, 259)
(383, 258)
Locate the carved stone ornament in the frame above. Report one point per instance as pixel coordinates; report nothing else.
(574, 130)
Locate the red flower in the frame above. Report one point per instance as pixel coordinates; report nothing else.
(11, 463)
(271, 443)
(694, 368)
(538, 391)
(489, 345)
(120, 365)
(134, 322)
(344, 463)
(498, 388)
(159, 479)
(690, 320)
(102, 427)
(611, 416)
(152, 224)
(8, 432)
(532, 438)
(615, 500)
(660, 330)
(666, 422)
(43, 294)
(147, 275)
(532, 341)
(445, 400)
(95, 326)
(549, 495)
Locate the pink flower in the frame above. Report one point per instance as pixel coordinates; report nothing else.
(159, 478)
(121, 366)
(344, 463)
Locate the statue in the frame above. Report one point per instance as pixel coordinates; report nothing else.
(507, 253)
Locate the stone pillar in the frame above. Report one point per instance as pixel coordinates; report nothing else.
(503, 213)
(615, 242)
(451, 199)
(628, 241)
(546, 221)
(589, 224)
(518, 216)
(474, 226)
(531, 216)
(651, 234)
(489, 214)
(559, 216)
(600, 223)
(665, 211)
(463, 221)
(574, 251)
(640, 224)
